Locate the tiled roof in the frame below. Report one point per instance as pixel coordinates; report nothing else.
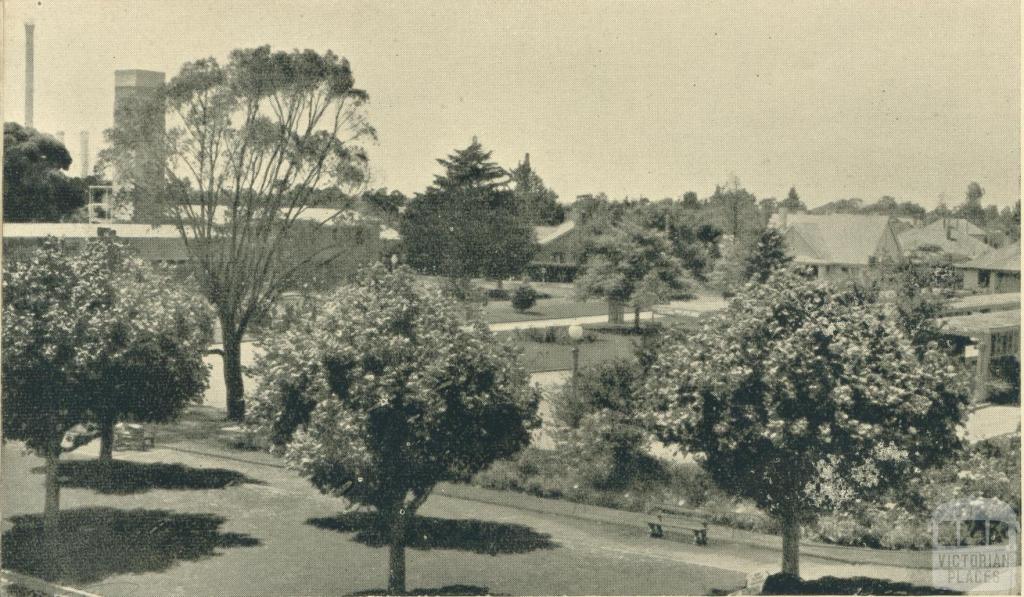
(836, 238)
(1005, 259)
(546, 234)
(958, 224)
(312, 214)
(980, 322)
(977, 302)
(957, 242)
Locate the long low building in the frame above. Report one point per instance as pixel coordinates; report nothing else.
(986, 335)
(157, 244)
(996, 271)
(363, 241)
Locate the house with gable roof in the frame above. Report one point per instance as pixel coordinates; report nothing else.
(558, 252)
(998, 270)
(839, 247)
(957, 244)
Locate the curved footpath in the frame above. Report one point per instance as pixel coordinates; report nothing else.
(596, 550)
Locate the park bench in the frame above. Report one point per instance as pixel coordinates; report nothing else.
(662, 517)
(133, 436)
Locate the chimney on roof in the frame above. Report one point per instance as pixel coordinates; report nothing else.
(84, 150)
(526, 160)
(30, 68)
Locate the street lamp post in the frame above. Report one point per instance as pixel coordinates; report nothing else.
(576, 334)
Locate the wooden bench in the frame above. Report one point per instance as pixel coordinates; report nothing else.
(663, 516)
(132, 436)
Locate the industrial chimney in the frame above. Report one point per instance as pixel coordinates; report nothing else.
(84, 150)
(30, 50)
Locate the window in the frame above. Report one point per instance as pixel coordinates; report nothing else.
(983, 276)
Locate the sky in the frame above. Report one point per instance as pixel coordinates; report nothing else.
(912, 99)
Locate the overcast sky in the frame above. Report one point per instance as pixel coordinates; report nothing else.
(840, 99)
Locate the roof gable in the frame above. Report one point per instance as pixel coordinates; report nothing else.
(1005, 259)
(956, 242)
(840, 238)
(959, 224)
(546, 234)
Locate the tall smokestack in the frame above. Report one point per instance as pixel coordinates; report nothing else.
(30, 50)
(85, 153)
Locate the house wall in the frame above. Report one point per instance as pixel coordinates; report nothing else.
(971, 279)
(991, 281)
(1005, 281)
(889, 247)
(840, 273)
(558, 260)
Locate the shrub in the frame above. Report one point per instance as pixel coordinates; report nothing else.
(524, 298)
(497, 294)
(1004, 387)
(552, 335)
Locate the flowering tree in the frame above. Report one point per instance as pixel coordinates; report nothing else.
(92, 336)
(385, 392)
(802, 397)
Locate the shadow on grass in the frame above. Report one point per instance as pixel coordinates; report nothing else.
(445, 590)
(427, 532)
(787, 584)
(95, 543)
(123, 477)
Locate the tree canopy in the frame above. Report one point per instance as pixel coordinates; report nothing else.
(92, 336)
(386, 391)
(768, 256)
(35, 188)
(251, 146)
(800, 396)
(792, 201)
(632, 265)
(534, 201)
(466, 224)
(735, 211)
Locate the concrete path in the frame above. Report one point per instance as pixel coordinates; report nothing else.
(564, 322)
(598, 550)
(992, 421)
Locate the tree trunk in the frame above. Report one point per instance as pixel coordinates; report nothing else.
(51, 510)
(396, 556)
(791, 545)
(500, 282)
(233, 383)
(636, 318)
(107, 440)
(615, 312)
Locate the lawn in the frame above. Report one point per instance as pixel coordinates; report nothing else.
(560, 302)
(552, 356)
(548, 308)
(195, 525)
